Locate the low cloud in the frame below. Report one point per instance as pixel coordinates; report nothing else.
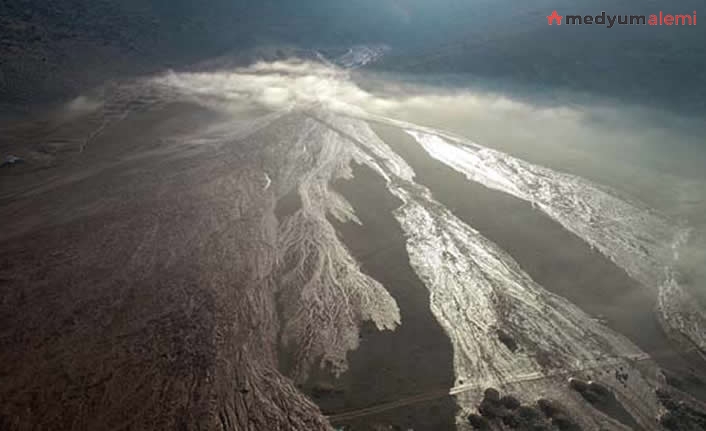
(278, 85)
(301, 84)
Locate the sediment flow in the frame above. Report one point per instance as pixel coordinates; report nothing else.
(635, 238)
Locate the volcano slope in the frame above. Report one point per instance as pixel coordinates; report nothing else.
(194, 251)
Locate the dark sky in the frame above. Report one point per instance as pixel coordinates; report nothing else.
(51, 48)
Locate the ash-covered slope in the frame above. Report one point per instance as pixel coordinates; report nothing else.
(138, 291)
(150, 284)
(170, 261)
